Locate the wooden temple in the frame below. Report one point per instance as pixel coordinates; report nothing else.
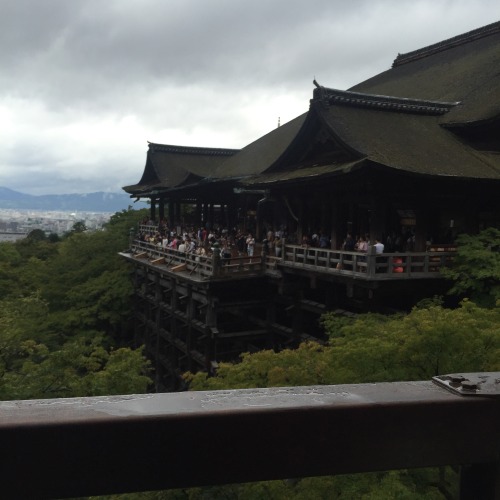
(410, 158)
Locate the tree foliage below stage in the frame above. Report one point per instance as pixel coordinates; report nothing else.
(64, 315)
(429, 341)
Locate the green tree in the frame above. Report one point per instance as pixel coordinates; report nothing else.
(78, 227)
(429, 341)
(36, 235)
(64, 310)
(475, 271)
(80, 367)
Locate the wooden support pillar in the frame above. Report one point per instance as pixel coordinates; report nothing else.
(174, 305)
(211, 326)
(300, 215)
(325, 221)
(205, 214)
(161, 209)
(230, 215)
(158, 364)
(423, 215)
(211, 215)
(178, 213)
(171, 214)
(190, 310)
(378, 220)
(471, 218)
(259, 229)
(270, 320)
(199, 210)
(335, 235)
(297, 316)
(223, 215)
(153, 209)
(351, 222)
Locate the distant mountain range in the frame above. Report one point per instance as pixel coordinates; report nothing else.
(90, 202)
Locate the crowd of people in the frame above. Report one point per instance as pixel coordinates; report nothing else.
(200, 241)
(235, 242)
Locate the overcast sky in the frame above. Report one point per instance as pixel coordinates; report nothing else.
(84, 84)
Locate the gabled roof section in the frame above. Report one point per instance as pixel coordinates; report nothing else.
(403, 134)
(461, 69)
(170, 166)
(259, 155)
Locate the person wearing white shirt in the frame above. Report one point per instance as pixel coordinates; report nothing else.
(379, 247)
(182, 247)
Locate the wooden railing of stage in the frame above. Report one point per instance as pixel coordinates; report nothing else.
(370, 266)
(198, 266)
(365, 266)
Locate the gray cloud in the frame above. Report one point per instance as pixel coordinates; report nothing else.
(85, 83)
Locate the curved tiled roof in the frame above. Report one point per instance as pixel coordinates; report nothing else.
(464, 68)
(399, 119)
(170, 166)
(468, 37)
(413, 143)
(262, 153)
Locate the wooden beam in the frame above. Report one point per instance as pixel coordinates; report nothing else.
(337, 430)
(179, 267)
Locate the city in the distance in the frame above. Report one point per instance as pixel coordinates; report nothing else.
(21, 213)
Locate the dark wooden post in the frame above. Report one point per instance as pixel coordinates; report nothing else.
(153, 209)
(199, 221)
(177, 212)
(371, 260)
(216, 264)
(189, 319)
(211, 215)
(335, 237)
(171, 215)
(378, 220)
(421, 228)
(161, 209)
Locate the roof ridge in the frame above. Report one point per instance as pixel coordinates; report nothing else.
(193, 150)
(383, 102)
(484, 31)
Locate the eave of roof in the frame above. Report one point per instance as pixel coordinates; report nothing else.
(169, 166)
(191, 150)
(382, 102)
(307, 173)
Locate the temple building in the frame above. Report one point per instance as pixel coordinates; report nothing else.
(409, 158)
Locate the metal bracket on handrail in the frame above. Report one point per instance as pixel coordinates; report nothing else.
(471, 384)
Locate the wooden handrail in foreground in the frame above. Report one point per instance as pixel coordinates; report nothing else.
(88, 446)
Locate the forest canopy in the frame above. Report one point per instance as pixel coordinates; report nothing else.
(65, 306)
(64, 315)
